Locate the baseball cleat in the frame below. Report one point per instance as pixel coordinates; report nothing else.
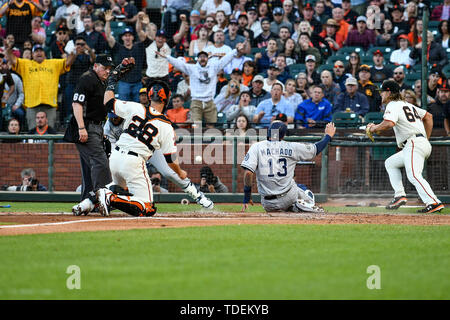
(431, 208)
(396, 203)
(84, 207)
(302, 206)
(204, 201)
(103, 200)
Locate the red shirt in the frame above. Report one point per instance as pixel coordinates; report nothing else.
(178, 115)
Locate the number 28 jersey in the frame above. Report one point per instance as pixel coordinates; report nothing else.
(407, 118)
(274, 164)
(145, 129)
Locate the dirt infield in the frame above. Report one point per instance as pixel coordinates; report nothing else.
(34, 223)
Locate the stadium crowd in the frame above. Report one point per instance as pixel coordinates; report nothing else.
(302, 61)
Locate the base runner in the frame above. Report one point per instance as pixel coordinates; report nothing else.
(273, 161)
(412, 127)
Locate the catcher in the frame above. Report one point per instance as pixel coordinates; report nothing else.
(145, 130)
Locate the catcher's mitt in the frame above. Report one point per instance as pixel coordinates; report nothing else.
(369, 134)
(123, 68)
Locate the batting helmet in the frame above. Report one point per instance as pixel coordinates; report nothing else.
(159, 91)
(277, 131)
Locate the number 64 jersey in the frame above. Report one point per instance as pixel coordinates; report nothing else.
(274, 164)
(407, 118)
(145, 129)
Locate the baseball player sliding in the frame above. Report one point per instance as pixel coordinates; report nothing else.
(412, 127)
(274, 161)
(146, 130)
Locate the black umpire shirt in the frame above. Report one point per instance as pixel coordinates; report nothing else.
(90, 92)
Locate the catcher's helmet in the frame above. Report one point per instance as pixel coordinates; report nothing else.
(277, 131)
(159, 91)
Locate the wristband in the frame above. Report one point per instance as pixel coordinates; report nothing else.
(247, 194)
(81, 128)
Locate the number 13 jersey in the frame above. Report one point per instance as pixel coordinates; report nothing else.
(145, 129)
(407, 118)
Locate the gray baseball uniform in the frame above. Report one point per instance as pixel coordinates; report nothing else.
(274, 164)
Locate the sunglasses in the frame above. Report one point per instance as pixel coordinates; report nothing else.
(398, 72)
(232, 86)
(61, 33)
(80, 44)
(209, 21)
(353, 57)
(338, 66)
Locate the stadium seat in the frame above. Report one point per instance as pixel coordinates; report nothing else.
(413, 76)
(331, 60)
(446, 70)
(256, 50)
(345, 119)
(375, 117)
(294, 69)
(328, 67)
(433, 24)
(117, 24)
(345, 51)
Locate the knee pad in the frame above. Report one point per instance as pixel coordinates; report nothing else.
(132, 207)
(115, 188)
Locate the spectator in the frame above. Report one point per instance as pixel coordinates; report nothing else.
(289, 52)
(411, 97)
(441, 12)
(194, 23)
(9, 41)
(379, 72)
(200, 43)
(400, 25)
(236, 75)
(330, 88)
(272, 77)
(222, 22)
(278, 21)
(306, 48)
(351, 99)
(283, 35)
(143, 98)
(262, 40)
(242, 108)
(183, 88)
(210, 23)
(339, 74)
(48, 12)
(244, 30)
(125, 11)
(94, 39)
(313, 110)
(5, 79)
(203, 79)
(312, 75)
(237, 64)
(344, 27)
(280, 61)
(350, 15)
(290, 12)
(231, 97)
(19, 14)
(232, 38)
(401, 56)
(301, 84)
(249, 71)
(69, 12)
(29, 182)
(263, 11)
(156, 178)
(210, 183)
(361, 36)
(57, 47)
(435, 53)
(13, 128)
(265, 59)
(268, 109)
(41, 87)
(415, 36)
(82, 13)
(330, 34)
(386, 36)
(308, 15)
(441, 105)
(320, 12)
(291, 95)
(212, 6)
(14, 95)
(38, 34)
(219, 49)
(353, 64)
(42, 127)
(128, 86)
(257, 92)
(27, 54)
(446, 113)
(434, 77)
(303, 27)
(399, 77)
(370, 90)
(172, 11)
(418, 92)
(443, 38)
(253, 23)
(242, 124)
(410, 13)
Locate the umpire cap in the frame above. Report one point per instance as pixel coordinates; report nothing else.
(277, 131)
(391, 86)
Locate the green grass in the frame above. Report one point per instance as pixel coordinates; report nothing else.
(231, 262)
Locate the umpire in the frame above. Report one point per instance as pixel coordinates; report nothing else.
(90, 112)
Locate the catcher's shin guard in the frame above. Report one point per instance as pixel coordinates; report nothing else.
(131, 206)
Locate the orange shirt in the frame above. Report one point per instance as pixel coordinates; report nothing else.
(343, 30)
(178, 115)
(247, 80)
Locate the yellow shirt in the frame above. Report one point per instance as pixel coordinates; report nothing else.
(40, 80)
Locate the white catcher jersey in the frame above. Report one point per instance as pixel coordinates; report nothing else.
(274, 164)
(407, 118)
(145, 130)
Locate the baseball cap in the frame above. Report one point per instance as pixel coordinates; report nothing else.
(179, 48)
(37, 47)
(233, 21)
(202, 52)
(310, 57)
(402, 36)
(397, 7)
(308, 7)
(364, 67)
(265, 19)
(278, 10)
(361, 18)
(127, 30)
(62, 27)
(195, 13)
(274, 66)
(105, 60)
(277, 131)
(444, 86)
(251, 9)
(351, 81)
(435, 70)
(258, 78)
(378, 52)
(390, 85)
(243, 15)
(281, 117)
(143, 91)
(161, 33)
(236, 70)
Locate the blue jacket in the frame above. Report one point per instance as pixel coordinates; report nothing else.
(321, 111)
(358, 104)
